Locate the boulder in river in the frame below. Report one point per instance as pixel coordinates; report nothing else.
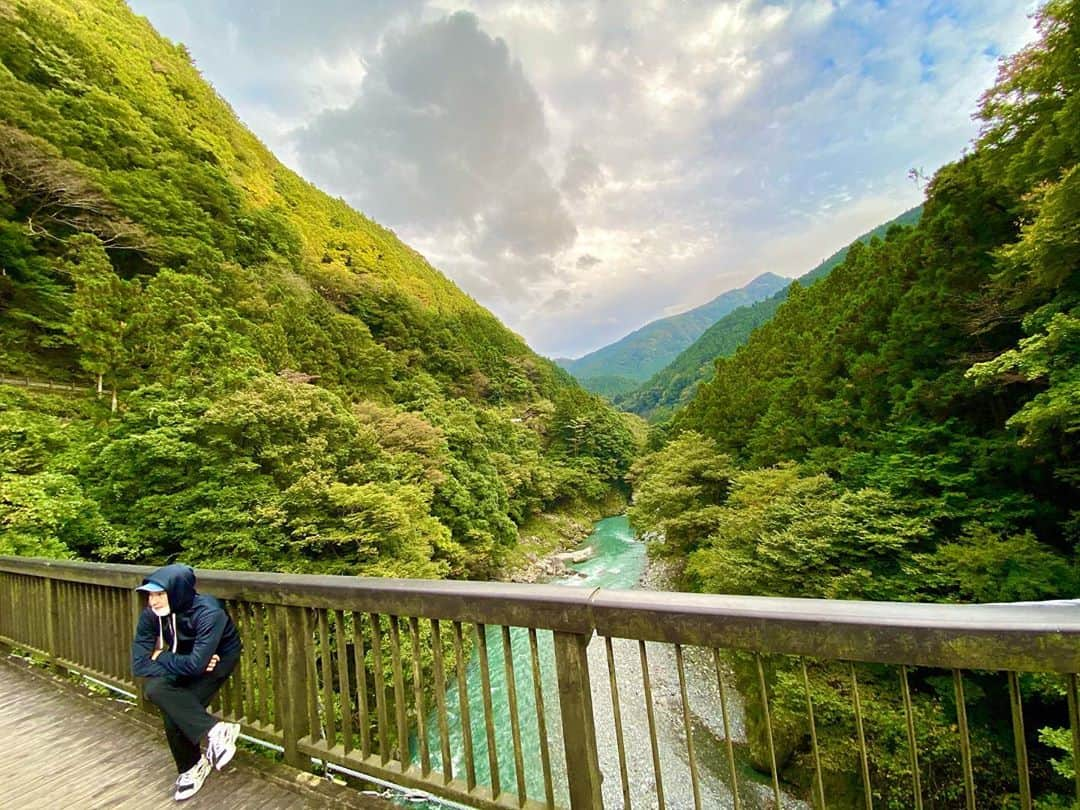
(579, 556)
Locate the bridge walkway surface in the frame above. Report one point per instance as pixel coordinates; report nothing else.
(64, 746)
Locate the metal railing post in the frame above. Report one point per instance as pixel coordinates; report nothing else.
(579, 730)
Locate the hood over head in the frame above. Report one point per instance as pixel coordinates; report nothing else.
(179, 583)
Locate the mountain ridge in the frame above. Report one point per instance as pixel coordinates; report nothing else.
(675, 384)
(649, 348)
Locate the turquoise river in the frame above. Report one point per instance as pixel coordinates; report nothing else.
(618, 561)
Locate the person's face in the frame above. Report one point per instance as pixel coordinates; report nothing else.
(159, 601)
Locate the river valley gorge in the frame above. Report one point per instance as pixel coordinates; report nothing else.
(616, 560)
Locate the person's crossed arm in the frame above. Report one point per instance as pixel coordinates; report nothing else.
(213, 662)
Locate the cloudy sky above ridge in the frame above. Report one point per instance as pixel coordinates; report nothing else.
(581, 168)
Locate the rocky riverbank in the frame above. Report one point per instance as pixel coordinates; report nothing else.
(544, 549)
(660, 574)
(542, 568)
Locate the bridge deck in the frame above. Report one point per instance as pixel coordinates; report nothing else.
(64, 749)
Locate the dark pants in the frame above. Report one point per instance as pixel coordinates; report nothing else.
(183, 703)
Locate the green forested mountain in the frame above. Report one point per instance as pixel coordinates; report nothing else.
(623, 365)
(909, 217)
(676, 383)
(907, 429)
(297, 389)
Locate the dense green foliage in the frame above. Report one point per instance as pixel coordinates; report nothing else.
(675, 384)
(609, 386)
(621, 366)
(906, 429)
(294, 388)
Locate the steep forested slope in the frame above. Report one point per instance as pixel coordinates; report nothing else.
(620, 366)
(296, 387)
(675, 384)
(907, 429)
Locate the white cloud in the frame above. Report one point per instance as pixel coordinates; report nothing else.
(447, 131)
(582, 167)
(581, 173)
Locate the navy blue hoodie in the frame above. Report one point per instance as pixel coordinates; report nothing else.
(196, 628)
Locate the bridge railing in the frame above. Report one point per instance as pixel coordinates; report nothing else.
(447, 687)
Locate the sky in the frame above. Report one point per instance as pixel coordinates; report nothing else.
(582, 168)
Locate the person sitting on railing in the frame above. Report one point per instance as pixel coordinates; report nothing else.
(186, 646)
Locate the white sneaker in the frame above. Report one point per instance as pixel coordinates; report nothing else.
(189, 782)
(221, 743)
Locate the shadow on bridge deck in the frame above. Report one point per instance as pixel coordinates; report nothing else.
(64, 748)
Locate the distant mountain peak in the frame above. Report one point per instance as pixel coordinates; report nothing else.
(637, 356)
(672, 385)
